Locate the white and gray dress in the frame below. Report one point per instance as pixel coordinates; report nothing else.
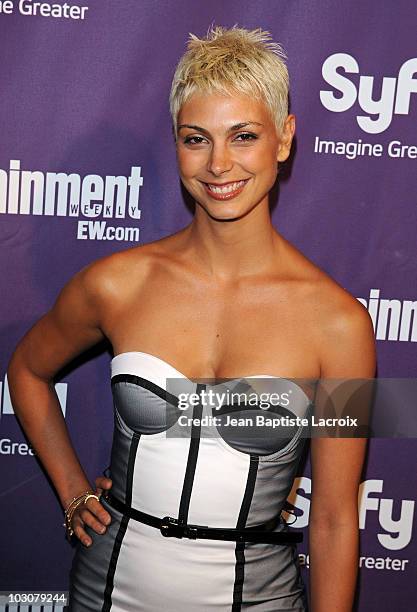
(216, 477)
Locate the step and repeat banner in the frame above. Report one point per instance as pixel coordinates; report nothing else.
(88, 167)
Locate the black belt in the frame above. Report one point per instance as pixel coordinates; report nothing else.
(170, 527)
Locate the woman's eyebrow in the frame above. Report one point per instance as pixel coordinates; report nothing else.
(237, 126)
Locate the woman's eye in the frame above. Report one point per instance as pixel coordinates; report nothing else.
(247, 136)
(193, 140)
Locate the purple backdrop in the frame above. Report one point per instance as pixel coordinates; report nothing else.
(88, 97)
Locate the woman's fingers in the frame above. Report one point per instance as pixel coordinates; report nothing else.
(96, 509)
(78, 527)
(92, 514)
(102, 482)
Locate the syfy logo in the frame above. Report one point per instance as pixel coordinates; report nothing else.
(394, 97)
(398, 531)
(6, 402)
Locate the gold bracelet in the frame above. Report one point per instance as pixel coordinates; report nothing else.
(75, 499)
(72, 506)
(92, 495)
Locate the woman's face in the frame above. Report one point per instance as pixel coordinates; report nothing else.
(227, 151)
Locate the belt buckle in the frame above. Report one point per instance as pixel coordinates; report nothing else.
(169, 528)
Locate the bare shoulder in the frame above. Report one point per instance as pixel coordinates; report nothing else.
(113, 278)
(337, 308)
(344, 333)
(342, 329)
(113, 282)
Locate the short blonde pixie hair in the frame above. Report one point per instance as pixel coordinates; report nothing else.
(230, 61)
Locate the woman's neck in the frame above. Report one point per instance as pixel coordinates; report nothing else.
(232, 249)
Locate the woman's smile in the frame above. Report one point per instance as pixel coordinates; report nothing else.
(225, 191)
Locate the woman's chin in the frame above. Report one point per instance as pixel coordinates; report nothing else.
(219, 213)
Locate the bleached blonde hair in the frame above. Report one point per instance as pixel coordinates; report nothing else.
(231, 61)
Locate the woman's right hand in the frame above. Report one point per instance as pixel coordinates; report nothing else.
(92, 514)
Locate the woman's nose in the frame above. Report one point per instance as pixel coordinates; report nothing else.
(219, 160)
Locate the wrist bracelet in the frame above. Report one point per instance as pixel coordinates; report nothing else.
(72, 506)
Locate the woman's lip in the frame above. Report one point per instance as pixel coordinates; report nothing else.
(225, 196)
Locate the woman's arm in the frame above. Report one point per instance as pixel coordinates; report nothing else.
(348, 352)
(70, 327)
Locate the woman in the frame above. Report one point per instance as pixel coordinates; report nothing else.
(225, 297)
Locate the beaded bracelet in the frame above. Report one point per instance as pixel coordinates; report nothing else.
(72, 506)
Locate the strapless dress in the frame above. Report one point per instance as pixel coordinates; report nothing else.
(223, 475)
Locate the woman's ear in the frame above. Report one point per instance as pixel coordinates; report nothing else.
(285, 140)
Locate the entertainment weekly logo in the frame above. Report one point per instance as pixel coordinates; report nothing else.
(93, 199)
(393, 320)
(395, 98)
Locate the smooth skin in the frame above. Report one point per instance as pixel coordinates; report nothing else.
(226, 296)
